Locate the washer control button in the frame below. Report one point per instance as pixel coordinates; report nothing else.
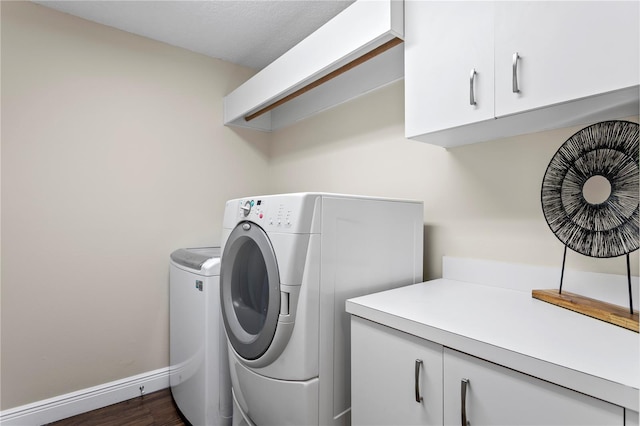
(246, 208)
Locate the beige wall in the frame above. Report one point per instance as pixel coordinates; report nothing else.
(113, 155)
(480, 201)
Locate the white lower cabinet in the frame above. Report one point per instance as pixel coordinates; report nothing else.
(495, 395)
(384, 387)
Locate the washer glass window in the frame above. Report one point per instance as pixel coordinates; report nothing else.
(250, 288)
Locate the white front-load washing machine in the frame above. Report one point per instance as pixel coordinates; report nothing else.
(289, 263)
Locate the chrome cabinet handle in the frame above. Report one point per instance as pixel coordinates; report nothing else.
(417, 376)
(514, 72)
(463, 404)
(472, 96)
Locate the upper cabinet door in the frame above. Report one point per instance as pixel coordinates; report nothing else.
(444, 42)
(567, 51)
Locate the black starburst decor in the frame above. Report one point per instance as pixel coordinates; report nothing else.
(606, 152)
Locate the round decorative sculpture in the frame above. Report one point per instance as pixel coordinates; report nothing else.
(590, 191)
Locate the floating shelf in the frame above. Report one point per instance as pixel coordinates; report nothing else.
(356, 52)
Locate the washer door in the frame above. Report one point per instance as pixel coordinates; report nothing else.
(249, 290)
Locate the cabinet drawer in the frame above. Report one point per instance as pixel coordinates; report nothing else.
(496, 395)
(383, 377)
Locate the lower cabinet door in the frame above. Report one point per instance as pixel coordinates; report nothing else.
(396, 378)
(482, 393)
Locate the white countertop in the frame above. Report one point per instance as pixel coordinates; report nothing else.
(510, 328)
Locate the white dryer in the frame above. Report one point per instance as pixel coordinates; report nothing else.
(199, 371)
(289, 263)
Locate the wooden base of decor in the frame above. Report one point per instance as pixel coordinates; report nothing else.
(604, 311)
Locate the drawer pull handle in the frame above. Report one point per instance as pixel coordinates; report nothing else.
(472, 95)
(463, 399)
(417, 377)
(514, 72)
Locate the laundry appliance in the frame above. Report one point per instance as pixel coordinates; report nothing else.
(289, 263)
(199, 367)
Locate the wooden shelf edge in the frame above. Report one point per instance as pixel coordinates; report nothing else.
(312, 85)
(603, 311)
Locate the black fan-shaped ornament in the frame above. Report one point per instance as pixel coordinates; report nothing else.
(604, 155)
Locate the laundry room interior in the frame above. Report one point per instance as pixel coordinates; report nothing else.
(114, 153)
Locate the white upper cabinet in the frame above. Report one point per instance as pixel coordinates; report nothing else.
(357, 51)
(539, 65)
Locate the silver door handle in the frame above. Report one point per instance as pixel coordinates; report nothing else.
(472, 96)
(416, 380)
(514, 73)
(463, 404)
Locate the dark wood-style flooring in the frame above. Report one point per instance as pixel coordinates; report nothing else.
(154, 409)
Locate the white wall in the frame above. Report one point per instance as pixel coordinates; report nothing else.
(113, 155)
(480, 201)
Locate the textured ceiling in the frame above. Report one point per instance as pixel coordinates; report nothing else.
(246, 32)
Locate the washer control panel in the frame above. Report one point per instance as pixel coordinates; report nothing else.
(286, 213)
(263, 212)
(267, 212)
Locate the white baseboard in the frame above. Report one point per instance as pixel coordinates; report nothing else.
(71, 404)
